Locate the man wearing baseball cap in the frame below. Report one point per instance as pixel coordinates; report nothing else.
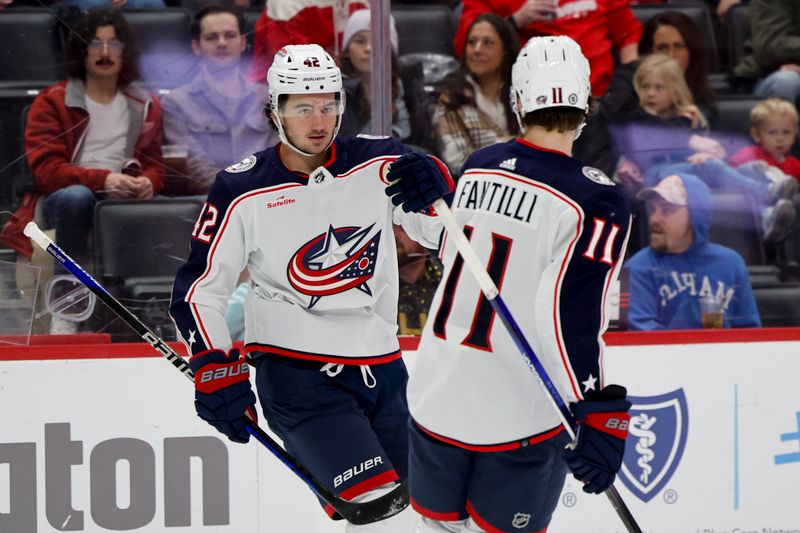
(680, 268)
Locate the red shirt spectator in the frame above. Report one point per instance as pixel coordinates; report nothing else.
(596, 25)
(298, 22)
(790, 165)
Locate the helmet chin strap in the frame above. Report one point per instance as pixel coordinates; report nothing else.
(285, 138)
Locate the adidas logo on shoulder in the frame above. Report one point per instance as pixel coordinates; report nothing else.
(509, 164)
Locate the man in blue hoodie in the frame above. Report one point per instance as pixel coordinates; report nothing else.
(681, 268)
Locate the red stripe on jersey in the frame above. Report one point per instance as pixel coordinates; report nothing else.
(364, 486)
(486, 526)
(433, 515)
(502, 447)
(525, 142)
(611, 275)
(324, 358)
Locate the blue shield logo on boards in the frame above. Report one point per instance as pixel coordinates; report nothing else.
(658, 429)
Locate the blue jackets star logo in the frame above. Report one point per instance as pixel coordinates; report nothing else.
(334, 262)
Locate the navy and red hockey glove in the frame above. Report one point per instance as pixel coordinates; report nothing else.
(223, 395)
(603, 421)
(418, 180)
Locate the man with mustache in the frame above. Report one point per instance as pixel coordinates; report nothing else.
(95, 135)
(681, 268)
(217, 115)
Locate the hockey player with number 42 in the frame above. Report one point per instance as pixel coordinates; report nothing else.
(487, 448)
(312, 223)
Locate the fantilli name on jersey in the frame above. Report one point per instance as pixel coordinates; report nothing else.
(320, 252)
(552, 241)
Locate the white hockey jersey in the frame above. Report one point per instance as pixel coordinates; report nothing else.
(320, 251)
(552, 235)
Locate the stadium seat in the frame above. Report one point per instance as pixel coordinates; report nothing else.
(142, 243)
(31, 49)
(167, 60)
(779, 306)
(732, 123)
(138, 248)
(737, 28)
(736, 224)
(424, 29)
(699, 14)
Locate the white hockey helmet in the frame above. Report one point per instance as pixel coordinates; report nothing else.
(549, 72)
(303, 69)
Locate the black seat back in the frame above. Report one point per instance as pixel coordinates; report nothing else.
(736, 224)
(779, 306)
(424, 28)
(142, 239)
(167, 60)
(31, 49)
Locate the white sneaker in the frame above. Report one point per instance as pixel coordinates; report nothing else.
(776, 220)
(62, 326)
(782, 186)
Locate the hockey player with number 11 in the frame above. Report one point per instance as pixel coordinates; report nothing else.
(310, 220)
(487, 447)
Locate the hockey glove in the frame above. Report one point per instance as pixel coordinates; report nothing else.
(418, 180)
(223, 395)
(599, 445)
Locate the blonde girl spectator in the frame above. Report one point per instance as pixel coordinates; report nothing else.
(473, 110)
(674, 146)
(663, 91)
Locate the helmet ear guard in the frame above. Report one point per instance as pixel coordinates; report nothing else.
(549, 72)
(303, 69)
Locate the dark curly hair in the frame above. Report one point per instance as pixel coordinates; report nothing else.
(457, 92)
(85, 30)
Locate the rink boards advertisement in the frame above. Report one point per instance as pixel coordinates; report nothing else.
(114, 445)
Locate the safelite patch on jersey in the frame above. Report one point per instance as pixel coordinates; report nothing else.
(597, 176)
(242, 166)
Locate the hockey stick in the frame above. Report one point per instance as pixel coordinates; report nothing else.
(492, 294)
(366, 512)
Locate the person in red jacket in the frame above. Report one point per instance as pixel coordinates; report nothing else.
(596, 25)
(285, 22)
(95, 135)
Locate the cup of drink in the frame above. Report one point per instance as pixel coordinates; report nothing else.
(712, 312)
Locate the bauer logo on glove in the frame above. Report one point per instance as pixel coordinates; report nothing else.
(418, 180)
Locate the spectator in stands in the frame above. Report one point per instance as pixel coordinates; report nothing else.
(774, 64)
(474, 107)
(774, 129)
(666, 137)
(217, 116)
(595, 26)
(285, 22)
(669, 33)
(681, 268)
(420, 272)
(355, 62)
(673, 34)
(96, 135)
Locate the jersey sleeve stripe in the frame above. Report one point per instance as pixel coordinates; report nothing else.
(612, 274)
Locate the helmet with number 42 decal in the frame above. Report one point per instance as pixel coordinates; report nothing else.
(303, 69)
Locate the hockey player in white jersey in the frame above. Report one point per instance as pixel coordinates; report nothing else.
(311, 222)
(487, 451)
